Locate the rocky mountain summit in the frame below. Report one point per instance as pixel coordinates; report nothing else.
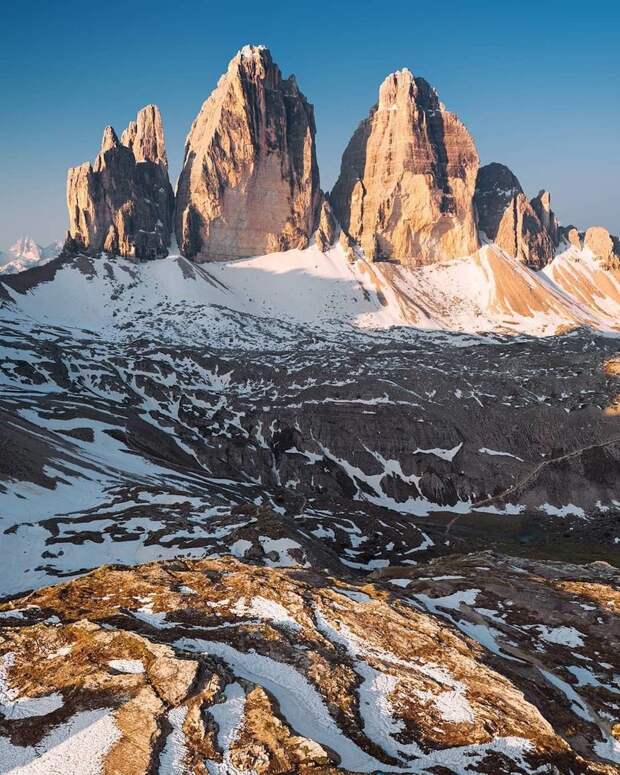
(250, 180)
(26, 253)
(123, 203)
(525, 230)
(472, 664)
(407, 178)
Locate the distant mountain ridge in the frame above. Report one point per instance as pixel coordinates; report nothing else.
(409, 190)
(26, 253)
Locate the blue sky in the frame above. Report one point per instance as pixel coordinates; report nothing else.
(537, 84)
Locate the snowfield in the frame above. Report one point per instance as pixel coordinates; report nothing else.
(486, 292)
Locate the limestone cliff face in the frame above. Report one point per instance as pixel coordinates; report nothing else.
(145, 137)
(250, 180)
(407, 178)
(526, 230)
(123, 203)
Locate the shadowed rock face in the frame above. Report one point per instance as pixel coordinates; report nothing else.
(407, 178)
(250, 180)
(123, 203)
(526, 230)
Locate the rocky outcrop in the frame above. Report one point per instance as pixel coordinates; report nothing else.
(123, 203)
(603, 246)
(216, 665)
(571, 235)
(250, 180)
(145, 137)
(526, 230)
(407, 178)
(546, 216)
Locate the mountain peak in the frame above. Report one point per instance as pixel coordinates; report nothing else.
(402, 86)
(123, 204)
(250, 181)
(145, 136)
(255, 59)
(407, 178)
(250, 51)
(109, 139)
(26, 247)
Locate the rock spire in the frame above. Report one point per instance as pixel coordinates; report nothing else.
(407, 178)
(250, 180)
(123, 202)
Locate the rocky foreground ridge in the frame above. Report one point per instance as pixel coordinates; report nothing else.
(409, 188)
(470, 664)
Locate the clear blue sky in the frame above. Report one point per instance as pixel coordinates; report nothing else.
(537, 84)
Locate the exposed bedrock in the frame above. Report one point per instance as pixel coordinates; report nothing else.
(524, 229)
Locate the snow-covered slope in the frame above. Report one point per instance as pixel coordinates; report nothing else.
(140, 401)
(489, 291)
(583, 280)
(486, 292)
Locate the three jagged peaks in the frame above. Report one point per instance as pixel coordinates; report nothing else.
(410, 188)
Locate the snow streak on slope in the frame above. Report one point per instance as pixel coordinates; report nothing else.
(489, 291)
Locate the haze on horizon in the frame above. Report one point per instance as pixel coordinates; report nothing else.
(539, 89)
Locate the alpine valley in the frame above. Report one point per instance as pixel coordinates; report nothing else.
(307, 482)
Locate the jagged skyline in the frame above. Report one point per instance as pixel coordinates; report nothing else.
(520, 95)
